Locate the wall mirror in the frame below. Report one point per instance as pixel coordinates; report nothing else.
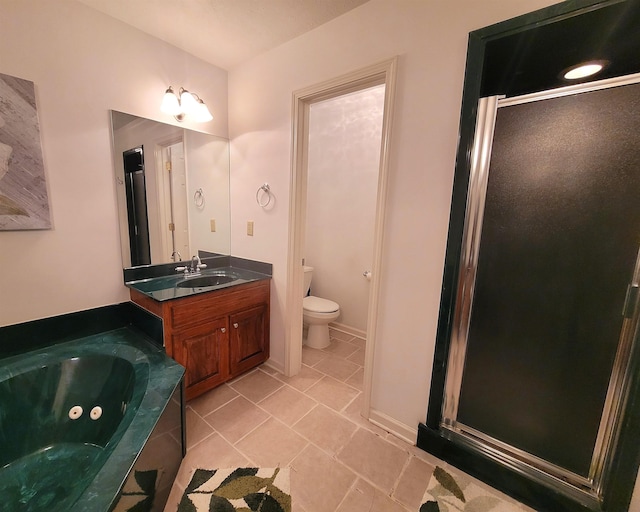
(172, 191)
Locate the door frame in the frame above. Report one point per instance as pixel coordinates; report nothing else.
(376, 74)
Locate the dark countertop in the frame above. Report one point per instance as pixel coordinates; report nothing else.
(166, 287)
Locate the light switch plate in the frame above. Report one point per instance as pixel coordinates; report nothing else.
(213, 225)
(250, 227)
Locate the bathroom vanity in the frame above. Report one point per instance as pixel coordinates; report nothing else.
(216, 332)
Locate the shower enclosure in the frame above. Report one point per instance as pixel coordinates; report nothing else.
(535, 384)
(547, 284)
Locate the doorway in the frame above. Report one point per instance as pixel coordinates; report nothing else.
(172, 198)
(382, 74)
(344, 155)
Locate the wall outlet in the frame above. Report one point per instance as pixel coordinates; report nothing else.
(250, 227)
(212, 222)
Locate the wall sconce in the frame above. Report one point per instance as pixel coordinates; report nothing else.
(185, 103)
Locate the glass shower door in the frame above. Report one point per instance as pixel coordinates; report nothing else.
(546, 311)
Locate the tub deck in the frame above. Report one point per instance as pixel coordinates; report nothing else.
(86, 475)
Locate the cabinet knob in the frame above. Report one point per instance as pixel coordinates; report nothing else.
(223, 329)
(235, 325)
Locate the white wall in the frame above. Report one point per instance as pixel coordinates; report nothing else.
(430, 38)
(208, 163)
(342, 186)
(83, 64)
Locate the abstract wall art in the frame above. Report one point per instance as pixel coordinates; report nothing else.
(24, 202)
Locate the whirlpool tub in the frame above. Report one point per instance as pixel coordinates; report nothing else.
(74, 418)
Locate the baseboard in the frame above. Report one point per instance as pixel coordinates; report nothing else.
(347, 329)
(275, 365)
(400, 430)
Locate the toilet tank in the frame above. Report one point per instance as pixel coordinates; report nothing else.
(308, 274)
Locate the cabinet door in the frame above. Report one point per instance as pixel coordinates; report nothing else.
(249, 338)
(204, 351)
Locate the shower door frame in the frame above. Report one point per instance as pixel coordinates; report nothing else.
(619, 481)
(535, 467)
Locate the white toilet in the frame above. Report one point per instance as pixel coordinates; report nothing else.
(317, 313)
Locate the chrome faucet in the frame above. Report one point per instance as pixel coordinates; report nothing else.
(195, 264)
(174, 254)
(194, 268)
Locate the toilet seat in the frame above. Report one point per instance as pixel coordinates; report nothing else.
(319, 305)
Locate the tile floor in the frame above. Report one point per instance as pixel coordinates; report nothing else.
(311, 423)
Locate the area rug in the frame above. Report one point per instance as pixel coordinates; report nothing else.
(448, 493)
(239, 489)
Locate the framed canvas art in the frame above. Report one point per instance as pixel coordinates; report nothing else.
(24, 202)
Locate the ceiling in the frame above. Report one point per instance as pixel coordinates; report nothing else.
(225, 33)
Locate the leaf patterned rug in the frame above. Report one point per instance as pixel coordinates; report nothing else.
(240, 489)
(449, 493)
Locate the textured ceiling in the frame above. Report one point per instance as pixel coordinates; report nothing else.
(224, 32)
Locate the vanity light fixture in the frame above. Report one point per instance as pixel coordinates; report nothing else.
(185, 103)
(583, 70)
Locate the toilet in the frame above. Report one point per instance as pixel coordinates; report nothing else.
(317, 313)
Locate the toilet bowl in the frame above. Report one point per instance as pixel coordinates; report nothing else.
(317, 313)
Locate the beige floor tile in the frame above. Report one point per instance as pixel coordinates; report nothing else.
(213, 453)
(211, 400)
(340, 335)
(360, 342)
(374, 458)
(340, 349)
(326, 428)
(357, 357)
(306, 378)
(333, 393)
(413, 482)
(357, 379)
(236, 419)
(318, 482)
(365, 498)
(288, 405)
(268, 369)
(256, 385)
(419, 453)
(197, 428)
(337, 367)
(354, 413)
(272, 444)
(312, 356)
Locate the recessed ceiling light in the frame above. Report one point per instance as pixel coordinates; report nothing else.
(583, 70)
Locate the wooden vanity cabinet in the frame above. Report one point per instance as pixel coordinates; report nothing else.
(217, 335)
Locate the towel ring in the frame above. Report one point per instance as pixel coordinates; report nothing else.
(198, 198)
(267, 190)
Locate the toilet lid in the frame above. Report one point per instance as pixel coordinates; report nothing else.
(319, 305)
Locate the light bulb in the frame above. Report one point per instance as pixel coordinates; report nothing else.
(202, 114)
(170, 104)
(188, 103)
(583, 70)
